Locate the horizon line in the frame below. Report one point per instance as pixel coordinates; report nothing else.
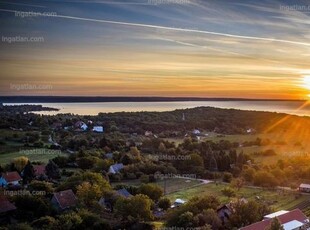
(54, 99)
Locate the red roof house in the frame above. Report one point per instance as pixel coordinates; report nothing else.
(39, 170)
(285, 219)
(6, 205)
(10, 178)
(64, 199)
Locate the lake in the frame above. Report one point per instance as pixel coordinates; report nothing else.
(301, 108)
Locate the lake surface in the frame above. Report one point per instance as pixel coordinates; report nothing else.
(301, 108)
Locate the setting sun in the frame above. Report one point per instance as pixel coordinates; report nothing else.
(307, 81)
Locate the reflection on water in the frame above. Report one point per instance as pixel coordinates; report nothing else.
(290, 107)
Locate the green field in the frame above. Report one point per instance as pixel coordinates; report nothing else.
(278, 200)
(287, 149)
(170, 185)
(42, 155)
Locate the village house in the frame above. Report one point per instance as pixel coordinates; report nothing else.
(10, 179)
(148, 133)
(124, 193)
(116, 168)
(108, 202)
(39, 171)
(178, 202)
(109, 155)
(57, 126)
(224, 212)
(290, 220)
(6, 209)
(196, 132)
(304, 187)
(98, 129)
(81, 125)
(64, 199)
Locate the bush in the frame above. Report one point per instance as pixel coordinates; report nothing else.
(164, 203)
(144, 179)
(229, 192)
(131, 176)
(227, 177)
(265, 179)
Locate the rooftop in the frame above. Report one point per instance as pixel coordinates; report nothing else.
(65, 199)
(6, 205)
(11, 176)
(275, 214)
(286, 218)
(304, 186)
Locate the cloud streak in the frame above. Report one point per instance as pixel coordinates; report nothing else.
(266, 39)
(21, 4)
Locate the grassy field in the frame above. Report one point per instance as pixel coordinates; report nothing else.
(170, 185)
(291, 146)
(32, 154)
(276, 199)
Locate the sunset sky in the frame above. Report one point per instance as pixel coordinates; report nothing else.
(188, 48)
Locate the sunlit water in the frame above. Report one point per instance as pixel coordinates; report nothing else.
(93, 108)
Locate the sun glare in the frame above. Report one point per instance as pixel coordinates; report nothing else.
(307, 81)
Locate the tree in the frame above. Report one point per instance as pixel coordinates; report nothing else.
(227, 177)
(92, 221)
(20, 163)
(69, 220)
(153, 191)
(196, 205)
(209, 217)
(87, 162)
(265, 179)
(134, 153)
(246, 213)
(41, 186)
(28, 172)
(193, 164)
(186, 220)
(88, 193)
(162, 148)
(136, 208)
(275, 225)
(52, 170)
(164, 203)
(237, 183)
(31, 207)
(229, 192)
(248, 174)
(20, 226)
(91, 177)
(46, 222)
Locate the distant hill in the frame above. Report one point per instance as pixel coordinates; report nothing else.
(58, 99)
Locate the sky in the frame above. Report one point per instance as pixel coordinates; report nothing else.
(170, 48)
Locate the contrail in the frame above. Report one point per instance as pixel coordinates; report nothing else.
(21, 4)
(175, 29)
(218, 50)
(204, 47)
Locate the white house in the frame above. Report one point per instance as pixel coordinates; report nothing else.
(98, 129)
(178, 202)
(81, 125)
(275, 214)
(304, 187)
(196, 132)
(148, 133)
(116, 168)
(84, 127)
